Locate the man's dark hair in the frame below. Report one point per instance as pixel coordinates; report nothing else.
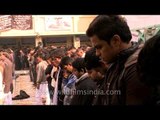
(79, 64)
(149, 62)
(41, 55)
(106, 26)
(91, 60)
(65, 61)
(58, 53)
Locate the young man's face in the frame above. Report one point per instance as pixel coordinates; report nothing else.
(80, 53)
(39, 59)
(104, 50)
(76, 73)
(65, 73)
(68, 67)
(94, 75)
(56, 61)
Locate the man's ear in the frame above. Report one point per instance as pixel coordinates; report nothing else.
(82, 71)
(115, 41)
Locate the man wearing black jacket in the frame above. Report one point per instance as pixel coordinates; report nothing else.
(84, 86)
(111, 37)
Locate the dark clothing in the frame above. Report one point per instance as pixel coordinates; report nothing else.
(17, 60)
(83, 94)
(49, 80)
(98, 98)
(121, 80)
(48, 71)
(154, 98)
(60, 96)
(60, 78)
(32, 69)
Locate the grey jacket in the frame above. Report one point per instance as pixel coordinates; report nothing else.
(41, 67)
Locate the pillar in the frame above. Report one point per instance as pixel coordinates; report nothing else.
(38, 41)
(69, 42)
(76, 42)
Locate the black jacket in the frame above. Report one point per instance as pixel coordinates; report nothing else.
(121, 84)
(84, 92)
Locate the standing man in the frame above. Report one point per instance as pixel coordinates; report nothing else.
(96, 71)
(7, 76)
(84, 86)
(42, 92)
(111, 37)
(56, 57)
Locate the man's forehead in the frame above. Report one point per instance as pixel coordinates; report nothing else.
(95, 40)
(98, 44)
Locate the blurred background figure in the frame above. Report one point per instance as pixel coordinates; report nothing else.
(148, 68)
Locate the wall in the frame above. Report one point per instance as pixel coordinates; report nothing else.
(78, 26)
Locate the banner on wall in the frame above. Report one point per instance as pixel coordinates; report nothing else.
(5, 22)
(22, 22)
(17, 22)
(58, 23)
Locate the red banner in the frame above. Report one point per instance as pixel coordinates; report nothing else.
(22, 22)
(5, 22)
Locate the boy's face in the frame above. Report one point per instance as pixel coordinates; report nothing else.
(68, 67)
(56, 61)
(94, 74)
(76, 73)
(39, 59)
(65, 73)
(80, 53)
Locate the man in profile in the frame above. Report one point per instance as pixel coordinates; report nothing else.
(111, 37)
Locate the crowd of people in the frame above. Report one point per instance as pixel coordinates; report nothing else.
(114, 71)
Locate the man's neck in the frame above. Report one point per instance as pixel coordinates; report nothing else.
(125, 46)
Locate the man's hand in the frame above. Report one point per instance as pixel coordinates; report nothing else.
(48, 75)
(37, 85)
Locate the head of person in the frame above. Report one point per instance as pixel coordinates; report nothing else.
(66, 64)
(95, 67)
(48, 57)
(68, 53)
(40, 57)
(80, 52)
(78, 67)
(109, 34)
(148, 63)
(74, 56)
(57, 55)
(9, 50)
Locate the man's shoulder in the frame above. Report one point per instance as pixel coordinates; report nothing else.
(132, 59)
